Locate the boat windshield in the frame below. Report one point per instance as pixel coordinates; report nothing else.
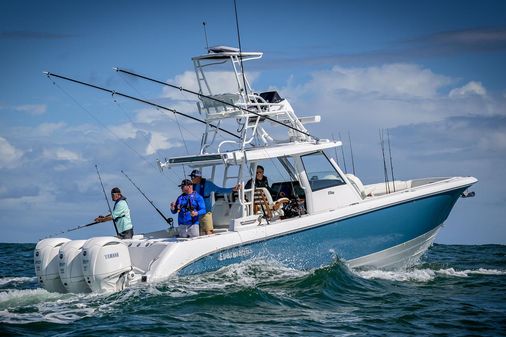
(320, 171)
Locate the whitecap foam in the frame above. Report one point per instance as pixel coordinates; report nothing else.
(39, 305)
(416, 275)
(247, 274)
(16, 280)
(467, 272)
(423, 275)
(23, 297)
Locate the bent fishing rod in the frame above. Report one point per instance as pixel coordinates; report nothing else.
(49, 74)
(170, 221)
(214, 99)
(74, 229)
(107, 200)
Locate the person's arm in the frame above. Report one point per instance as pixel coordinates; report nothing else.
(212, 187)
(174, 206)
(103, 218)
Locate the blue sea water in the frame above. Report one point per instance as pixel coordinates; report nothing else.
(454, 291)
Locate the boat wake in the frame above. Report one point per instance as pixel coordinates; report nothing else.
(262, 281)
(8, 281)
(23, 306)
(423, 274)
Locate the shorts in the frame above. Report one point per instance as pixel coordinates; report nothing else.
(185, 231)
(126, 234)
(206, 222)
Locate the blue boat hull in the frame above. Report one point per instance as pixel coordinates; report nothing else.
(347, 239)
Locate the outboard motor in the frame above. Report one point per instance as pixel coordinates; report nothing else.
(106, 264)
(70, 267)
(46, 261)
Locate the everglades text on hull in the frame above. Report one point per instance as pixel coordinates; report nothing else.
(310, 214)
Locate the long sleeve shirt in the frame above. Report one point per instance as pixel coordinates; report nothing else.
(121, 216)
(209, 187)
(185, 204)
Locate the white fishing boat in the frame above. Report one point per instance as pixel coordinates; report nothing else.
(313, 214)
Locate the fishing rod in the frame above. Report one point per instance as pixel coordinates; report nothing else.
(240, 50)
(351, 153)
(342, 153)
(385, 170)
(170, 221)
(75, 228)
(390, 154)
(107, 200)
(49, 74)
(200, 95)
(72, 229)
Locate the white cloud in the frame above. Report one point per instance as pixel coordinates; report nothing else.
(124, 131)
(149, 115)
(492, 140)
(159, 142)
(46, 129)
(61, 154)
(366, 99)
(471, 88)
(389, 81)
(33, 109)
(219, 81)
(9, 155)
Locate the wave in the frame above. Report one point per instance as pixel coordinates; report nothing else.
(423, 275)
(5, 281)
(38, 305)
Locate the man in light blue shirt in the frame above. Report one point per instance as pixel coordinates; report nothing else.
(120, 215)
(205, 187)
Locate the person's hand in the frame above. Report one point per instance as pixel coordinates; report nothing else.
(194, 213)
(236, 188)
(100, 218)
(172, 205)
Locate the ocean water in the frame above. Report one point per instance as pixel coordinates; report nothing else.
(454, 291)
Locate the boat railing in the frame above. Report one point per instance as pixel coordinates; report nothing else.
(220, 110)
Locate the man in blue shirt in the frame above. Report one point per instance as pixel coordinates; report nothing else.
(205, 187)
(189, 206)
(120, 215)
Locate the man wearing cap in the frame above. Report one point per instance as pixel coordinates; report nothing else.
(120, 215)
(190, 207)
(205, 187)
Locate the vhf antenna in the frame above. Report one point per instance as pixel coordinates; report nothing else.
(205, 34)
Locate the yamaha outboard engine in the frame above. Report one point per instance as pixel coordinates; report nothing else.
(46, 262)
(106, 264)
(70, 267)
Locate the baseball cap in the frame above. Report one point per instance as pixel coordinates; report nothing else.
(196, 173)
(186, 182)
(115, 190)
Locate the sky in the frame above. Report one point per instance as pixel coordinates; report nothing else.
(431, 72)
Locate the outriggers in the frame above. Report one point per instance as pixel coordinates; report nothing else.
(312, 215)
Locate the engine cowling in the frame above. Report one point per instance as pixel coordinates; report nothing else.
(46, 261)
(106, 264)
(70, 267)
